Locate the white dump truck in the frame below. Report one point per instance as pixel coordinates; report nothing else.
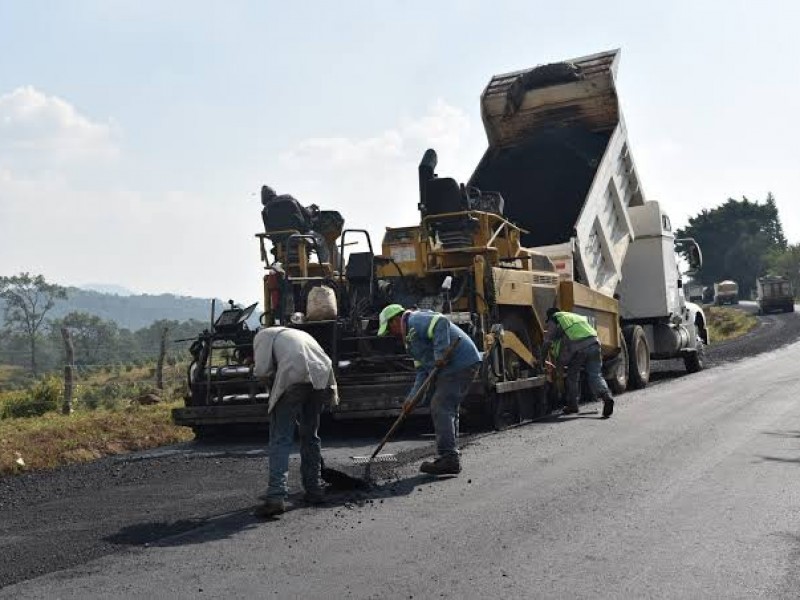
(559, 155)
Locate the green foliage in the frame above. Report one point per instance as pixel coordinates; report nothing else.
(737, 240)
(45, 396)
(26, 301)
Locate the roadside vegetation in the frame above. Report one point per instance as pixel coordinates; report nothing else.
(726, 323)
(53, 440)
(111, 415)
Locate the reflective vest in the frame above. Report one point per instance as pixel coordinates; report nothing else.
(576, 327)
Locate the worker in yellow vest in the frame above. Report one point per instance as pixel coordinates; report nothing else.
(574, 344)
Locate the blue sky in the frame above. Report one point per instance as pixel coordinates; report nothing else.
(134, 135)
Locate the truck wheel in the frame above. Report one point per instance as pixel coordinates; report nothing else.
(696, 361)
(619, 378)
(638, 356)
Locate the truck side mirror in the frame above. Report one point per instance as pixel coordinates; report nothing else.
(694, 254)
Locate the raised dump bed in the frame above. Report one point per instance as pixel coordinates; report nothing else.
(558, 153)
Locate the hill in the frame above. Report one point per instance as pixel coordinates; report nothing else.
(133, 312)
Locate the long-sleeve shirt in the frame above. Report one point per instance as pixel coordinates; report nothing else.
(428, 336)
(291, 356)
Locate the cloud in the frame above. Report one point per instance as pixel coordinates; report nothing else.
(372, 180)
(443, 127)
(40, 132)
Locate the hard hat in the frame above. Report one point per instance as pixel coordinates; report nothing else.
(387, 314)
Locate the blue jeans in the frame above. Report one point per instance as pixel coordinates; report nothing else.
(445, 402)
(591, 360)
(300, 404)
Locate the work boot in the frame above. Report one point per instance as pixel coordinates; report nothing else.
(272, 507)
(444, 465)
(570, 409)
(315, 497)
(608, 407)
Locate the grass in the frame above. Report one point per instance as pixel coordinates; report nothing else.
(728, 323)
(54, 440)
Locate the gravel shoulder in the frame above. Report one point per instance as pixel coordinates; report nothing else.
(57, 520)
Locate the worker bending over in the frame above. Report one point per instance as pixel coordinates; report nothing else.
(301, 380)
(427, 336)
(575, 345)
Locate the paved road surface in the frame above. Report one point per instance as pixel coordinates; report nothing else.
(690, 490)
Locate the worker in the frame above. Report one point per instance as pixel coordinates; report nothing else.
(575, 345)
(301, 380)
(427, 336)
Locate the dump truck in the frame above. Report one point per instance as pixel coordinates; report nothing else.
(774, 292)
(553, 215)
(559, 155)
(726, 292)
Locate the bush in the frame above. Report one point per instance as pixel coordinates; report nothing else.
(43, 397)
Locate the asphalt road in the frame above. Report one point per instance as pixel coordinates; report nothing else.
(690, 490)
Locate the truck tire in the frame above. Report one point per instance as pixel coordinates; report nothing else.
(638, 356)
(618, 383)
(696, 361)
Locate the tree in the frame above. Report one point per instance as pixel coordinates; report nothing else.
(95, 340)
(737, 240)
(27, 301)
(787, 263)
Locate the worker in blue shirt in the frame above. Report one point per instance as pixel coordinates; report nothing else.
(427, 336)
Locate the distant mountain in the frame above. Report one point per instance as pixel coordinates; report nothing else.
(134, 311)
(108, 288)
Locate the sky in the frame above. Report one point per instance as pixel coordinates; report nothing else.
(135, 134)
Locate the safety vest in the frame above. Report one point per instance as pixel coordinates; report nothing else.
(576, 327)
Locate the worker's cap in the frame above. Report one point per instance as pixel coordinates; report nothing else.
(551, 313)
(387, 314)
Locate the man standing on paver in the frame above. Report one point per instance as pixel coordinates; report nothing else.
(301, 380)
(427, 336)
(575, 345)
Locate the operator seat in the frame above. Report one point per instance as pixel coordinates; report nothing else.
(442, 196)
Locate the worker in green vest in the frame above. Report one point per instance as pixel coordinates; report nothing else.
(574, 344)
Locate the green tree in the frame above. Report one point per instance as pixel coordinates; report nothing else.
(787, 263)
(737, 239)
(95, 340)
(27, 301)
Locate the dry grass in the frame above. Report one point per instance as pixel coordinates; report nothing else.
(54, 440)
(728, 323)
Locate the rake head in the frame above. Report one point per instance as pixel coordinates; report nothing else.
(364, 460)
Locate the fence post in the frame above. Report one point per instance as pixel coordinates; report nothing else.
(162, 350)
(69, 371)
